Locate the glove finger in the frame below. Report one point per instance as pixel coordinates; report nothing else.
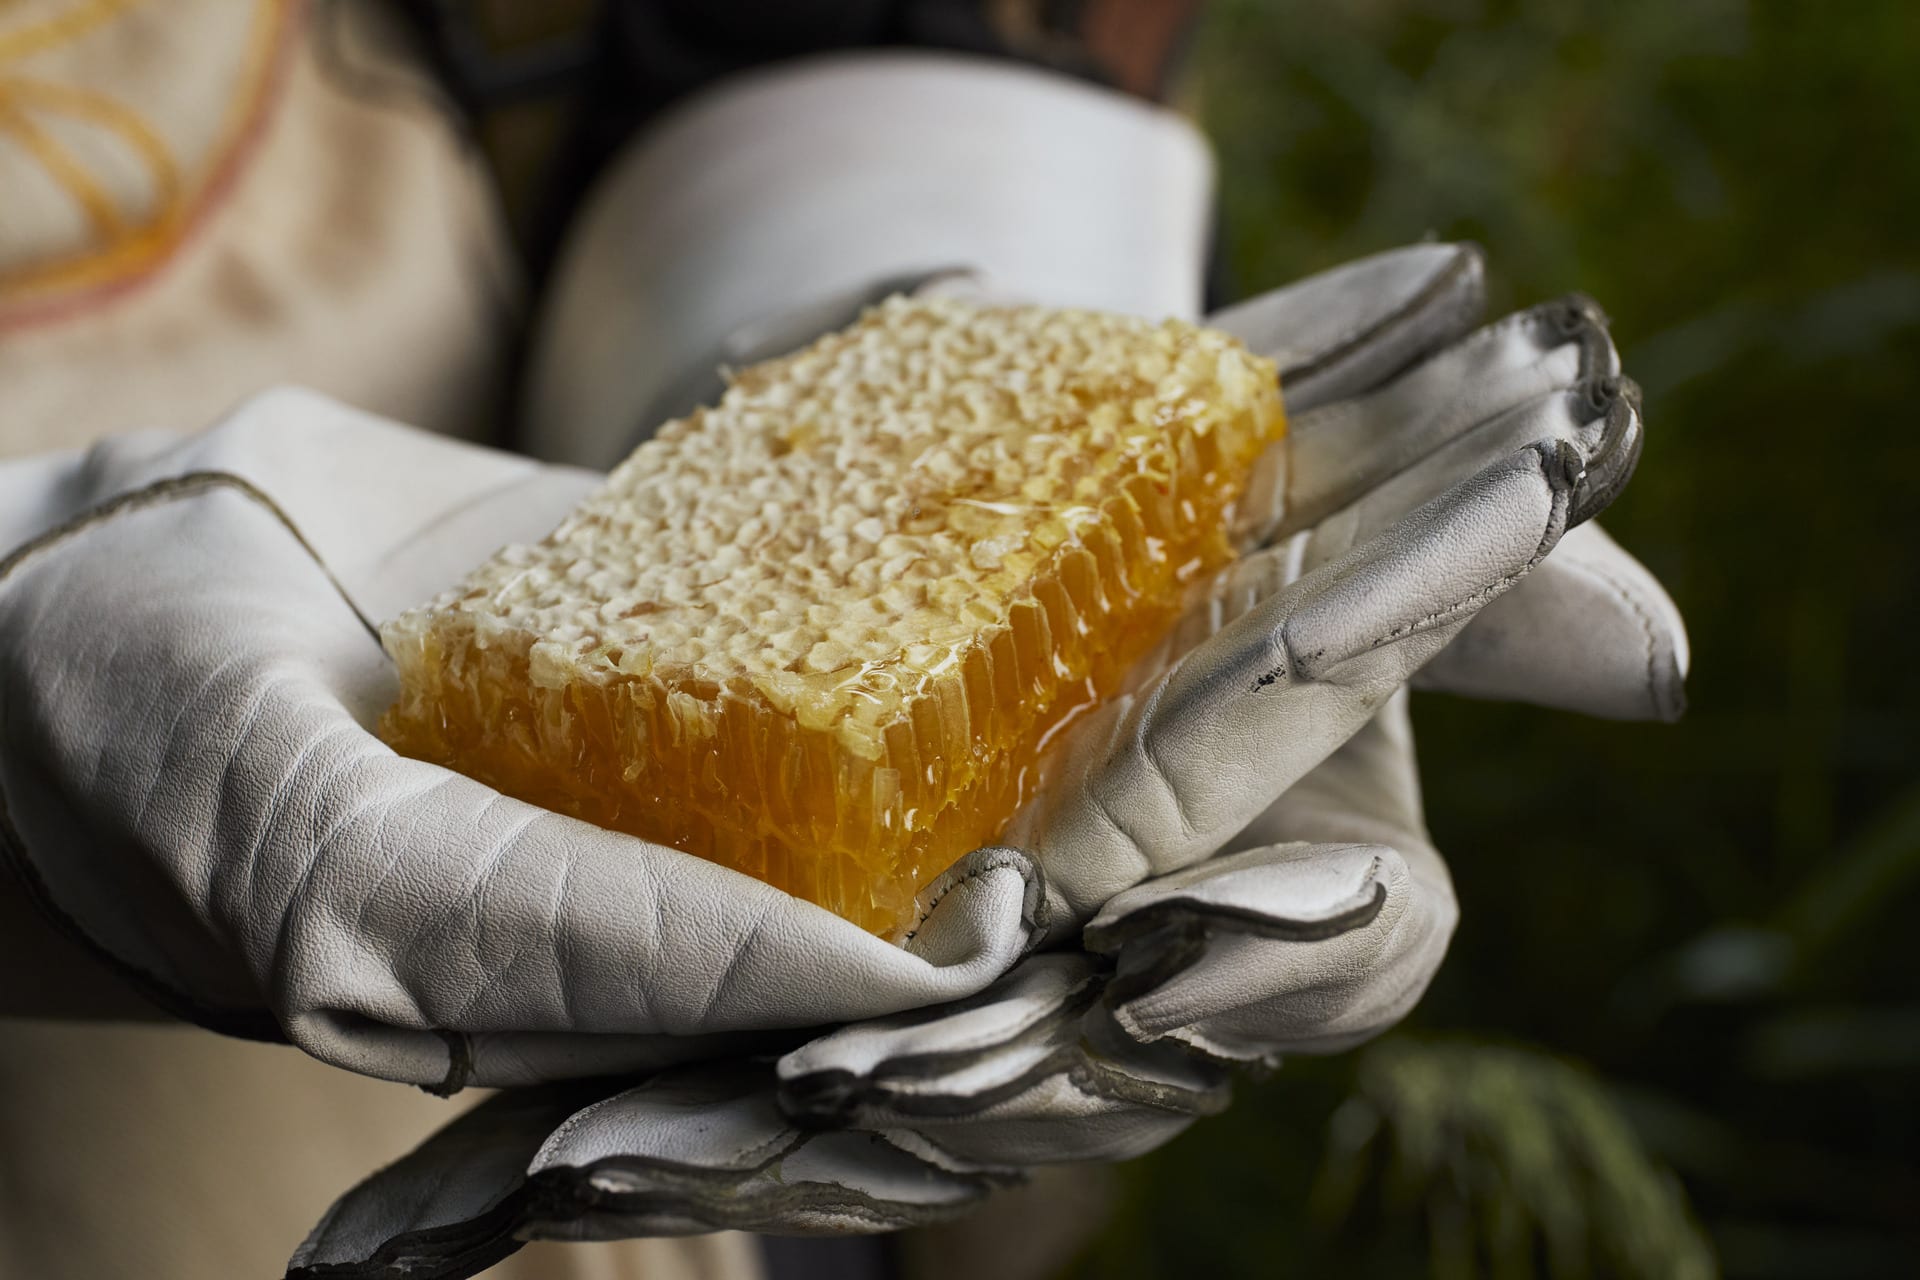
(450, 1208)
(707, 1149)
(399, 919)
(1590, 630)
(1306, 946)
(1287, 948)
(1599, 423)
(1027, 1072)
(1338, 453)
(1163, 777)
(1344, 331)
(679, 1154)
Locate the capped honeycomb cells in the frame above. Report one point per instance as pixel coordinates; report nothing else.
(825, 632)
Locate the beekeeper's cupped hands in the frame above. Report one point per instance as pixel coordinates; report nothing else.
(1234, 863)
(191, 787)
(188, 681)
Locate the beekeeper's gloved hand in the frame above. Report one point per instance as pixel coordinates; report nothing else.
(188, 677)
(1317, 924)
(905, 1120)
(191, 787)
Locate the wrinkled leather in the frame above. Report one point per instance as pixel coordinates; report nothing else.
(1413, 516)
(1412, 525)
(189, 780)
(188, 677)
(1590, 630)
(1084, 1054)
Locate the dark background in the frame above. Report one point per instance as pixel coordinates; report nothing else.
(1679, 1026)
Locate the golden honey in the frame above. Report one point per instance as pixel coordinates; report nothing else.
(824, 631)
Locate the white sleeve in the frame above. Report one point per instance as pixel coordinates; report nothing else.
(782, 189)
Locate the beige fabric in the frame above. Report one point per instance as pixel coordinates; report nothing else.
(165, 1152)
(108, 159)
(355, 248)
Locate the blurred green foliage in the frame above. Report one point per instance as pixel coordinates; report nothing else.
(1711, 916)
(1511, 1162)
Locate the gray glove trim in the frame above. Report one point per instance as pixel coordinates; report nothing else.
(1123, 920)
(743, 1165)
(537, 1163)
(985, 1082)
(449, 1208)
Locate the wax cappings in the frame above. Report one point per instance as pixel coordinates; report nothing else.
(826, 631)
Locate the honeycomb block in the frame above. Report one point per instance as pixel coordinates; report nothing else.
(826, 631)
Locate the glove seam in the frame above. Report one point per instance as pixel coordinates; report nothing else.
(570, 1188)
(1168, 911)
(183, 487)
(1648, 630)
(879, 1087)
(250, 1024)
(1356, 335)
(1555, 526)
(1034, 909)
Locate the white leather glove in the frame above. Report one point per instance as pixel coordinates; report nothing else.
(1320, 924)
(191, 787)
(905, 1120)
(187, 683)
